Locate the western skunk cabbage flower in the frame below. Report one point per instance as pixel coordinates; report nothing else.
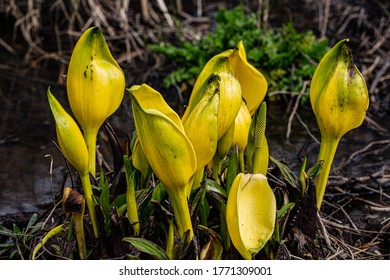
(250, 213)
(69, 136)
(212, 109)
(339, 98)
(166, 147)
(253, 84)
(242, 124)
(73, 147)
(95, 85)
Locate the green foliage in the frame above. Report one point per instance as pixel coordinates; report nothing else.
(286, 57)
(148, 247)
(17, 245)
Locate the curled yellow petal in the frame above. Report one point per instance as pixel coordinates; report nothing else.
(241, 127)
(229, 101)
(213, 114)
(162, 138)
(250, 213)
(201, 128)
(253, 84)
(167, 149)
(215, 65)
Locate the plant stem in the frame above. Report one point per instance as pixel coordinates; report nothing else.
(327, 151)
(79, 226)
(58, 230)
(224, 230)
(90, 204)
(90, 136)
(171, 241)
(217, 167)
(181, 211)
(132, 211)
(241, 161)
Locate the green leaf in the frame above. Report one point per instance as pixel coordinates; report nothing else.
(36, 227)
(285, 208)
(5, 231)
(32, 221)
(148, 247)
(104, 200)
(315, 170)
(128, 167)
(16, 229)
(285, 171)
(119, 201)
(215, 190)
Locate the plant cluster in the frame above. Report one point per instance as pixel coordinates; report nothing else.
(195, 186)
(286, 58)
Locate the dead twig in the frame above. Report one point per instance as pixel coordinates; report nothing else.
(361, 151)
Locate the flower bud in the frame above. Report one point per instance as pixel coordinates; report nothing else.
(75, 150)
(250, 213)
(95, 85)
(338, 93)
(69, 136)
(241, 127)
(339, 98)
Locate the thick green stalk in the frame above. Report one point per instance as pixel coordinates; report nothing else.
(181, 211)
(90, 136)
(90, 204)
(327, 151)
